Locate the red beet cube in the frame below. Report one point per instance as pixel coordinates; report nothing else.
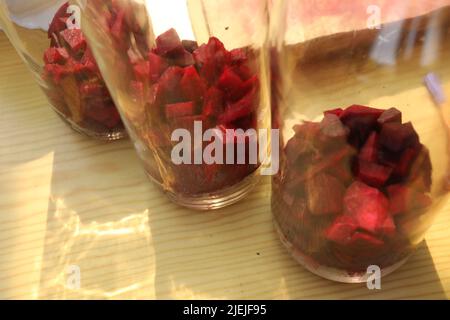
(338, 112)
(137, 92)
(59, 21)
(390, 115)
(363, 241)
(397, 137)
(213, 102)
(420, 173)
(142, 71)
(157, 66)
(369, 152)
(342, 171)
(238, 56)
(404, 199)
(56, 55)
(324, 193)
(118, 30)
(368, 206)
(230, 83)
(182, 109)
(405, 162)
(192, 86)
(373, 174)
(211, 58)
(93, 90)
(240, 109)
(357, 111)
(183, 59)
(188, 122)
(361, 121)
(243, 71)
(74, 40)
(169, 84)
(190, 45)
(169, 43)
(332, 127)
(342, 230)
(55, 72)
(89, 61)
(105, 114)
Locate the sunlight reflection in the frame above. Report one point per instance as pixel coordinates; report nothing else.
(115, 258)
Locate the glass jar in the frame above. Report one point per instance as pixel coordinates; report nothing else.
(47, 36)
(359, 95)
(190, 79)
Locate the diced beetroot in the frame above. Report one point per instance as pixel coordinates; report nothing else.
(390, 115)
(192, 86)
(188, 122)
(118, 27)
(230, 83)
(59, 21)
(142, 71)
(342, 230)
(338, 112)
(397, 137)
(89, 60)
(404, 199)
(55, 72)
(406, 160)
(157, 66)
(189, 45)
(93, 89)
(420, 173)
(369, 152)
(294, 149)
(324, 194)
(357, 111)
(342, 171)
(364, 241)
(373, 174)
(332, 127)
(183, 59)
(137, 92)
(56, 55)
(211, 58)
(243, 71)
(106, 115)
(74, 39)
(169, 43)
(367, 205)
(213, 102)
(361, 121)
(240, 109)
(182, 109)
(169, 84)
(238, 56)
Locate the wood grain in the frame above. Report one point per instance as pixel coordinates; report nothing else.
(66, 200)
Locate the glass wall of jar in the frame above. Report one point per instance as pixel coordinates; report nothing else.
(47, 36)
(190, 79)
(360, 93)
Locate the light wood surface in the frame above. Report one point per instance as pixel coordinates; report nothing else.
(68, 201)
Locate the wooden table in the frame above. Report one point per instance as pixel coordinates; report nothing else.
(67, 202)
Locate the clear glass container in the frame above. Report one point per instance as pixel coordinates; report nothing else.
(187, 71)
(47, 36)
(360, 94)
